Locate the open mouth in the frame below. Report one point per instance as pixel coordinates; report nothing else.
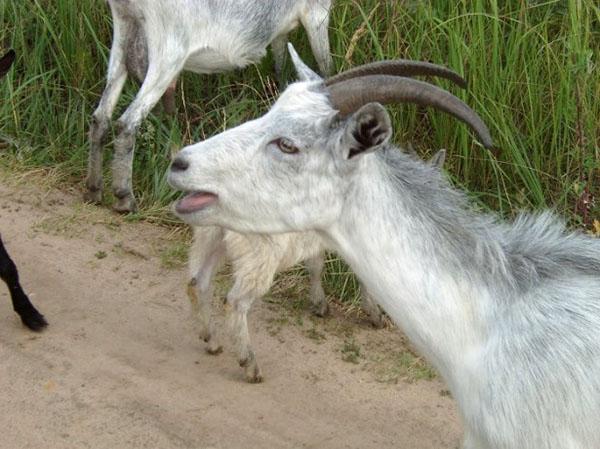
(195, 201)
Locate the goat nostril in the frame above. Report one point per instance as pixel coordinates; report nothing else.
(179, 164)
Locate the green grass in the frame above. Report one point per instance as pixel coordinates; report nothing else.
(402, 366)
(175, 255)
(350, 351)
(533, 72)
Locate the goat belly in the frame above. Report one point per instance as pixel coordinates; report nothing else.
(195, 201)
(210, 60)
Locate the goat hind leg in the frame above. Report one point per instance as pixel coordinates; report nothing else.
(168, 99)
(30, 316)
(320, 304)
(205, 255)
(315, 266)
(371, 308)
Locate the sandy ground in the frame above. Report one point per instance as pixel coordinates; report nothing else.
(120, 367)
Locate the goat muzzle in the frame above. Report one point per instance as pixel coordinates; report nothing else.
(179, 164)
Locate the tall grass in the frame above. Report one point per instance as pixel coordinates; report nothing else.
(533, 72)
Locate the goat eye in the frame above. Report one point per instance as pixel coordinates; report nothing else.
(286, 146)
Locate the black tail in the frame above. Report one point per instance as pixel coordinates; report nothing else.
(6, 61)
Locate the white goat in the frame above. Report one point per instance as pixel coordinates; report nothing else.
(255, 259)
(154, 40)
(509, 314)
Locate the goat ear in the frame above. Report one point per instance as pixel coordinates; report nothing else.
(367, 130)
(303, 71)
(6, 61)
(438, 159)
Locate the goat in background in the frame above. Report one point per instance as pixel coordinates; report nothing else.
(154, 40)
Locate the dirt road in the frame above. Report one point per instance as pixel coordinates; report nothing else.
(120, 367)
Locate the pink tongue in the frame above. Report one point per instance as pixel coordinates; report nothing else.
(195, 201)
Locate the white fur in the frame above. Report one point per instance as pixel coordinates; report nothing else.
(508, 313)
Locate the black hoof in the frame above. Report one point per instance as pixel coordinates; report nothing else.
(34, 320)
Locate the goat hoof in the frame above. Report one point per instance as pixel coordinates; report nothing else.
(377, 322)
(253, 374)
(254, 378)
(34, 320)
(321, 310)
(93, 196)
(214, 350)
(376, 319)
(204, 335)
(125, 205)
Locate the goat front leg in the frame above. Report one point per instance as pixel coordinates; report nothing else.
(250, 283)
(314, 265)
(99, 126)
(30, 317)
(158, 78)
(205, 255)
(238, 320)
(168, 99)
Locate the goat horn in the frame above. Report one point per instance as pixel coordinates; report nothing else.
(349, 95)
(399, 67)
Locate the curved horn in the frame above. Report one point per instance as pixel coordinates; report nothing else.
(399, 67)
(349, 95)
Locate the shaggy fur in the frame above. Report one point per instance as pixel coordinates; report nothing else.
(508, 313)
